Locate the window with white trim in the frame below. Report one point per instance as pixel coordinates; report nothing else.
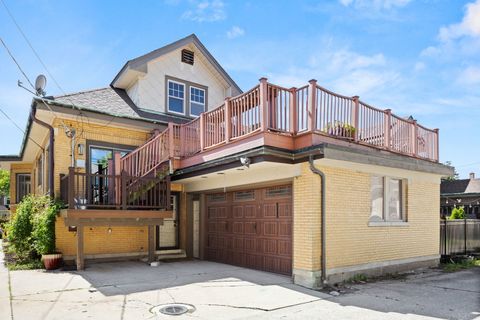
(176, 97)
(197, 101)
(387, 199)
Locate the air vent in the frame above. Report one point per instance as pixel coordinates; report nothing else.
(281, 191)
(187, 56)
(245, 195)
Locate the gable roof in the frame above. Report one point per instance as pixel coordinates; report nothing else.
(139, 64)
(460, 186)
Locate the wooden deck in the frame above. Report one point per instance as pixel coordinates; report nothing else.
(286, 118)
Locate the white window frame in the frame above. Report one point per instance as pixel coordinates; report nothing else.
(190, 100)
(183, 100)
(374, 221)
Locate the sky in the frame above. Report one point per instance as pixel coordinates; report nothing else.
(416, 57)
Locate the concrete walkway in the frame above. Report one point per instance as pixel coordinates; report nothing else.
(129, 290)
(5, 307)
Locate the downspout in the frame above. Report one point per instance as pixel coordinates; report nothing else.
(323, 260)
(51, 162)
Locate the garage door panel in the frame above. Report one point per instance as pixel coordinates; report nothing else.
(238, 227)
(251, 231)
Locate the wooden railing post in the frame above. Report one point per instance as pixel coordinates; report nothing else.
(312, 105)
(355, 117)
(118, 168)
(437, 153)
(263, 104)
(293, 110)
(228, 120)
(414, 138)
(71, 188)
(123, 180)
(171, 140)
(387, 128)
(202, 131)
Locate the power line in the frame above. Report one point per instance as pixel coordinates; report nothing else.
(16, 62)
(47, 70)
(18, 127)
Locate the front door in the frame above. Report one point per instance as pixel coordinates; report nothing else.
(167, 234)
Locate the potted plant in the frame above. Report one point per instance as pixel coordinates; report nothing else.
(44, 234)
(341, 129)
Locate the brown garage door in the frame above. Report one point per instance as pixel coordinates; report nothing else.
(251, 228)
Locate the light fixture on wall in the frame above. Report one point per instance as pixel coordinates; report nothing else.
(81, 149)
(109, 230)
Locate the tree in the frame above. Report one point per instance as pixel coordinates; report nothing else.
(4, 182)
(457, 213)
(455, 175)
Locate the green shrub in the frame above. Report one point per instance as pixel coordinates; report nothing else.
(43, 233)
(457, 213)
(32, 229)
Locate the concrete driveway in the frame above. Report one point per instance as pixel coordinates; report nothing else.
(129, 290)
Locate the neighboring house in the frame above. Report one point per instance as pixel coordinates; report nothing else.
(172, 157)
(461, 192)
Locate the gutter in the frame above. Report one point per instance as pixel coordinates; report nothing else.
(323, 260)
(51, 161)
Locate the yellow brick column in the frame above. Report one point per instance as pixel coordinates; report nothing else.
(306, 228)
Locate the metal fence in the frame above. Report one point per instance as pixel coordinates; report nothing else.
(459, 237)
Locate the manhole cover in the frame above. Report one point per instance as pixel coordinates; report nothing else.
(173, 309)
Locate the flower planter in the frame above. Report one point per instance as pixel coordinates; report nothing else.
(52, 261)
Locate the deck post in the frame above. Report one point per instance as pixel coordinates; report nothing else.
(202, 131)
(151, 243)
(437, 155)
(414, 138)
(387, 128)
(312, 105)
(116, 173)
(264, 104)
(355, 117)
(171, 140)
(228, 120)
(293, 110)
(71, 188)
(123, 178)
(80, 254)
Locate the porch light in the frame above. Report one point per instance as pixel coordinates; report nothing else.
(81, 149)
(109, 230)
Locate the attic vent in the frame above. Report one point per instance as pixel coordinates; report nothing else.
(187, 56)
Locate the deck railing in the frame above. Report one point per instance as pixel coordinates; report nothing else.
(80, 190)
(271, 108)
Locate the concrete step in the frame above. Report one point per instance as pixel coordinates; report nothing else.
(171, 254)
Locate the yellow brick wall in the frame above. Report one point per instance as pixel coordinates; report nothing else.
(350, 240)
(97, 240)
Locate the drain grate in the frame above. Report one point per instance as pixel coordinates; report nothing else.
(173, 309)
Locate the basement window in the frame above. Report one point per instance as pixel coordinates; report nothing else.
(188, 56)
(387, 199)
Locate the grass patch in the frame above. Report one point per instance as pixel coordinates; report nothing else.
(27, 265)
(468, 263)
(358, 278)
(14, 262)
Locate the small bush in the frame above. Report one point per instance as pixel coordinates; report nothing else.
(457, 213)
(31, 232)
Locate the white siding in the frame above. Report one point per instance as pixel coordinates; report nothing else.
(149, 91)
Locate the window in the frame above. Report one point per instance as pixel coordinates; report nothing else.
(40, 171)
(176, 97)
(23, 185)
(387, 196)
(197, 101)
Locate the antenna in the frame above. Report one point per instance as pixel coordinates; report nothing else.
(40, 84)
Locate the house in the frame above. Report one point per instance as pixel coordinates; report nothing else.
(173, 158)
(461, 192)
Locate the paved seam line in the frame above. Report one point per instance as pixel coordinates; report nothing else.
(262, 309)
(10, 293)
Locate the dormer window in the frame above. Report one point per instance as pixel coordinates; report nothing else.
(176, 97)
(197, 101)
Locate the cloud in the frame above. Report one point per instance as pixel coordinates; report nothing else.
(206, 11)
(235, 32)
(469, 76)
(469, 26)
(376, 4)
(419, 66)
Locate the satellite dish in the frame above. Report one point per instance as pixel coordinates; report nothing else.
(40, 84)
